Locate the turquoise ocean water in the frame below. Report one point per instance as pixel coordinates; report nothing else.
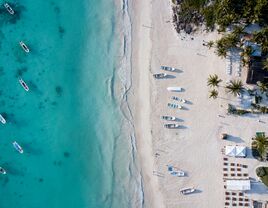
(70, 122)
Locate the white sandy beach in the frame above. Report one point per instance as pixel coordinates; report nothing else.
(196, 147)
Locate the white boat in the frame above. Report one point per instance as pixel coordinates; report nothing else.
(2, 119)
(175, 171)
(173, 105)
(168, 68)
(171, 126)
(185, 191)
(178, 99)
(2, 171)
(24, 85)
(24, 47)
(17, 147)
(160, 75)
(9, 9)
(169, 118)
(174, 89)
(178, 173)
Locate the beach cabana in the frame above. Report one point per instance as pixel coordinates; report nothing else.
(238, 185)
(240, 151)
(235, 151)
(230, 151)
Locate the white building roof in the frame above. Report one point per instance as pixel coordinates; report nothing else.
(238, 185)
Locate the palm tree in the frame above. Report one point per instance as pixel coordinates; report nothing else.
(210, 44)
(262, 86)
(222, 52)
(265, 64)
(213, 94)
(235, 87)
(260, 143)
(213, 80)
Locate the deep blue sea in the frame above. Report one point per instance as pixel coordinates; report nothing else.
(70, 125)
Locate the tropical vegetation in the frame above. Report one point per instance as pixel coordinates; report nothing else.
(263, 86)
(265, 64)
(260, 146)
(213, 80)
(213, 94)
(262, 173)
(235, 87)
(223, 15)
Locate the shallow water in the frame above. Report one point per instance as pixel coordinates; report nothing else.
(69, 123)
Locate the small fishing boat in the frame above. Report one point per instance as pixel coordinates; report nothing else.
(9, 9)
(171, 126)
(172, 105)
(174, 89)
(2, 119)
(24, 47)
(2, 171)
(175, 171)
(24, 85)
(185, 191)
(169, 118)
(178, 99)
(178, 173)
(160, 75)
(167, 68)
(17, 147)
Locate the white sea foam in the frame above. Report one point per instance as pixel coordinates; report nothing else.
(136, 198)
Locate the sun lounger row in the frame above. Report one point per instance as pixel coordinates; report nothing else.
(228, 66)
(232, 169)
(235, 174)
(237, 204)
(234, 164)
(227, 193)
(236, 199)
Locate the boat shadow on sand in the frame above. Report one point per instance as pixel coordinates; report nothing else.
(169, 76)
(179, 120)
(178, 71)
(197, 191)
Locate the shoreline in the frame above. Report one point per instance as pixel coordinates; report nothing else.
(140, 97)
